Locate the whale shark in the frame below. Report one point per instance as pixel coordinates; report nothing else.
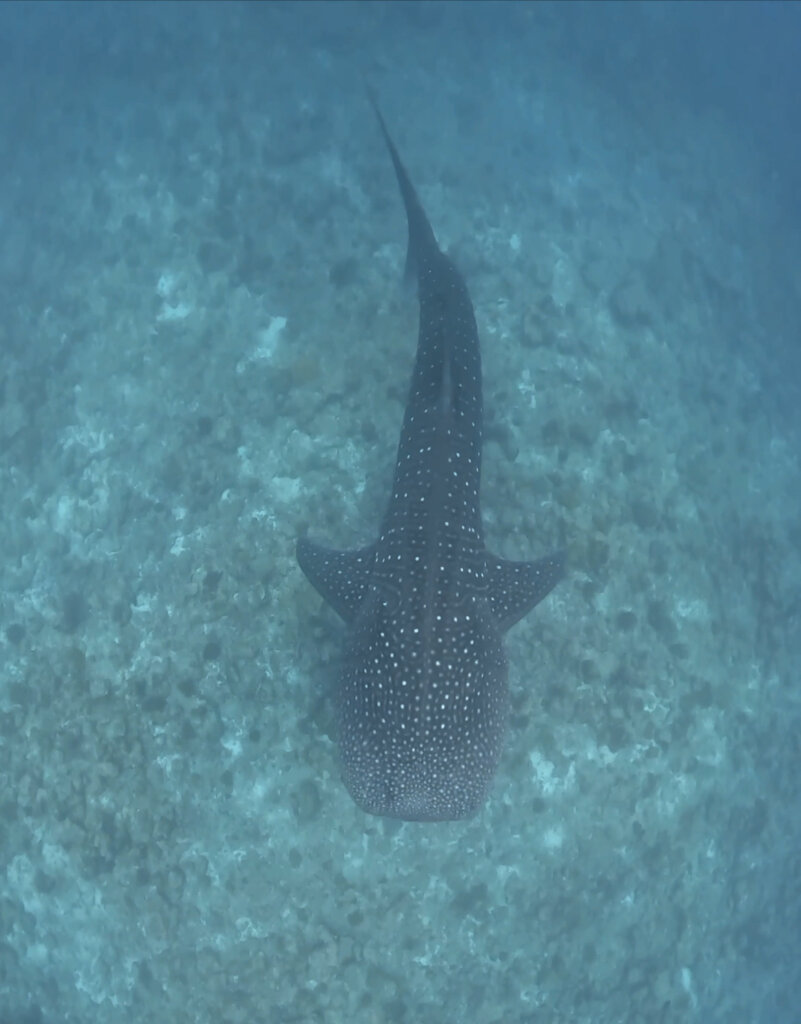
(422, 693)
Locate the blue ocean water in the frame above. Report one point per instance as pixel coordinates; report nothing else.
(205, 350)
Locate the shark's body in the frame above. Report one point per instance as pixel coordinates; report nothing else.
(422, 698)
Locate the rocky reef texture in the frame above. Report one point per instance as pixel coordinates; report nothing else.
(206, 351)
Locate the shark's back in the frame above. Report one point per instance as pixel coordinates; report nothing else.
(422, 708)
(422, 698)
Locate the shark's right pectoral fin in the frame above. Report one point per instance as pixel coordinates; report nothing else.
(515, 587)
(340, 577)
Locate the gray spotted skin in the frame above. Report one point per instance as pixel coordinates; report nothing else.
(422, 697)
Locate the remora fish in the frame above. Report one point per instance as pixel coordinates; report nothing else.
(422, 697)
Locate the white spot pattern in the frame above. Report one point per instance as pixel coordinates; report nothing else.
(423, 694)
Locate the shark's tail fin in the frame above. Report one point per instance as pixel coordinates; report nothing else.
(421, 236)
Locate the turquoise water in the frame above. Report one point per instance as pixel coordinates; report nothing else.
(205, 352)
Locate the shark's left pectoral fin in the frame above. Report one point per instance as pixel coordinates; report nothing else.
(515, 587)
(340, 577)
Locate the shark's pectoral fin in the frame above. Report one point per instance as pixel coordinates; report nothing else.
(515, 587)
(340, 577)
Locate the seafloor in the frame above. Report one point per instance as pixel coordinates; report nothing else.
(205, 352)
